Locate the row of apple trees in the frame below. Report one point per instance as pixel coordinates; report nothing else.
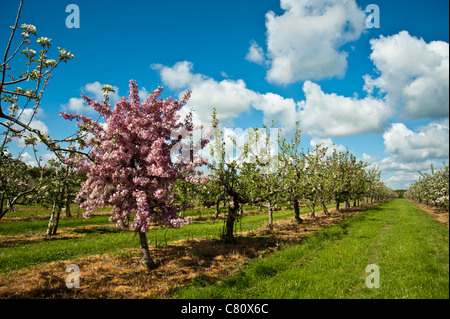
(432, 188)
(269, 170)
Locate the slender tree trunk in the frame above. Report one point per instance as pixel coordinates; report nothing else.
(67, 202)
(313, 210)
(3, 211)
(270, 216)
(337, 206)
(324, 207)
(228, 236)
(68, 212)
(55, 224)
(346, 204)
(216, 213)
(51, 220)
(297, 211)
(146, 260)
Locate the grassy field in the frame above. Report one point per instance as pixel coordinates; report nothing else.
(410, 249)
(325, 258)
(23, 243)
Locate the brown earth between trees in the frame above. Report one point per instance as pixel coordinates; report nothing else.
(120, 275)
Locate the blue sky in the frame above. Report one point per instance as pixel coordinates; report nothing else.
(380, 92)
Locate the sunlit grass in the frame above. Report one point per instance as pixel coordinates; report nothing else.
(97, 236)
(410, 249)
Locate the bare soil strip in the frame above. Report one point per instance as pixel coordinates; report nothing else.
(120, 275)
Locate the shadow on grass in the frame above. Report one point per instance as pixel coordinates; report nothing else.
(97, 230)
(180, 263)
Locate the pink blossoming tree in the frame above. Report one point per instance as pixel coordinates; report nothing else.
(134, 161)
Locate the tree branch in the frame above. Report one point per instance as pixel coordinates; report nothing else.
(5, 57)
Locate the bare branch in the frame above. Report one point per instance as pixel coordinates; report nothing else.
(5, 57)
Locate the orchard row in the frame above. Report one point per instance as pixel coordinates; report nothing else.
(292, 175)
(432, 188)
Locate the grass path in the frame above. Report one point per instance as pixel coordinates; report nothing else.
(410, 249)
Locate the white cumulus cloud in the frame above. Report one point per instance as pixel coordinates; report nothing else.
(94, 90)
(255, 53)
(29, 117)
(430, 142)
(331, 115)
(77, 105)
(305, 41)
(229, 97)
(414, 75)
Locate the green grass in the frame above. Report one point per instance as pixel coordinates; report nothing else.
(36, 226)
(410, 249)
(15, 227)
(101, 239)
(37, 210)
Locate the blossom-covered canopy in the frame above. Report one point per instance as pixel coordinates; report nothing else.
(132, 164)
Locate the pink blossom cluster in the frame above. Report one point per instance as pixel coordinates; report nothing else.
(130, 165)
(179, 222)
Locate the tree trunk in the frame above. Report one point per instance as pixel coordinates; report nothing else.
(51, 220)
(146, 260)
(324, 207)
(228, 236)
(337, 206)
(270, 216)
(216, 213)
(68, 212)
(55, 224)
(3, 211)
(67, 201)
(297, 211)
(346, 204)
(313, 210)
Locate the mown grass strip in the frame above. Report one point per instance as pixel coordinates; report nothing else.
(410, 249)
